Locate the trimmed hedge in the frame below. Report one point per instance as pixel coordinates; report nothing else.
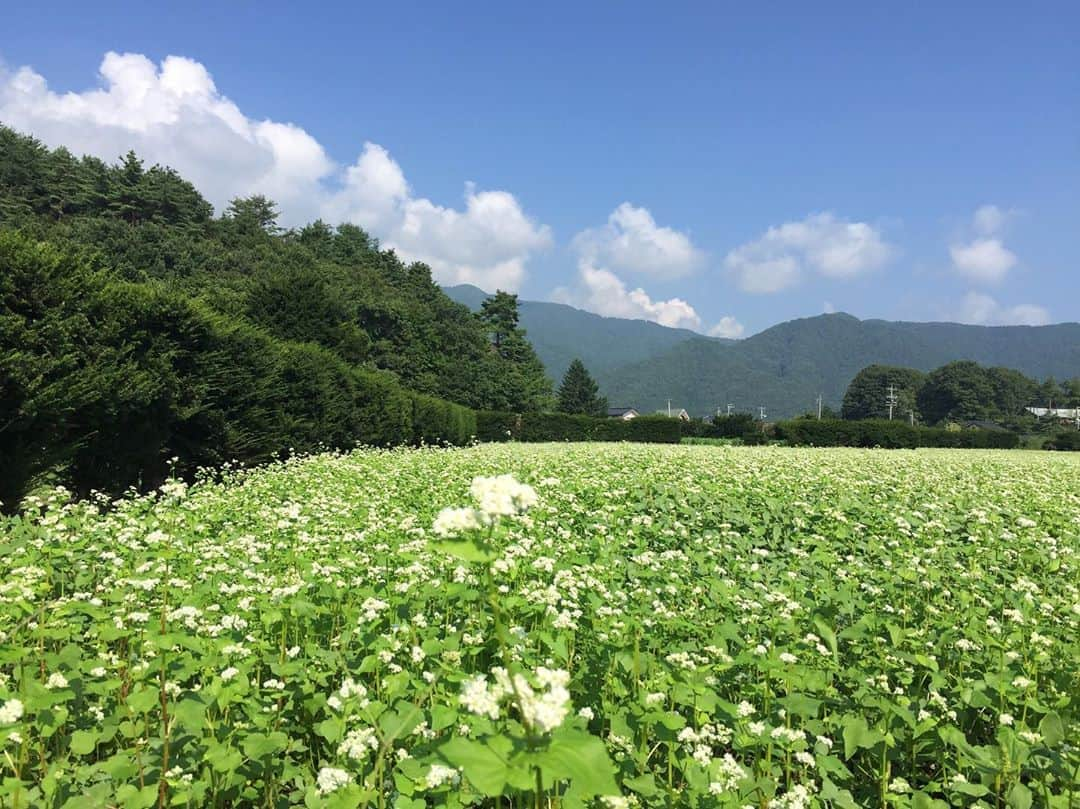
(889, 435)
(1069, 442)
(435, 421)
(533, 427)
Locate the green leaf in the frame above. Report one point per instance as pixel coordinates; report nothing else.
(483, 767)
(1019, 797)
(260, 745)
(83, 742)
(583, 758)
(1052, 729)
(468, 550)
(858, 735)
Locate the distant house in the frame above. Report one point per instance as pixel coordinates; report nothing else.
(982, 424)
(1063, 414)
(674, 412)
(624, 413)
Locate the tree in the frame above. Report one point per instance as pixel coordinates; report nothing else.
(499, 314)
(579, 393)
(957, 391)
(255, 214)
(866, 394)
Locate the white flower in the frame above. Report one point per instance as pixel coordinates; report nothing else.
(899, 786)
(11, 712)
(502, 496)
(357, 744)
(56, 680)
(440, 774)
(1006, 719)
(451, 521)
(745, 709)
(478, 698)
(586, 713)
(331, 779)
(229, 673)
(789, 658)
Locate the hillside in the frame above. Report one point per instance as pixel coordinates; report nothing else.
(786, 367)
(559, 333)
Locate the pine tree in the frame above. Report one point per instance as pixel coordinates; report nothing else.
(579, 393)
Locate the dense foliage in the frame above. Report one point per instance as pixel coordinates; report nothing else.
(135, 326)
(785, 368)
(663, 626)
(889, 435)
(503, 426)
(867, 395)
(579, 392)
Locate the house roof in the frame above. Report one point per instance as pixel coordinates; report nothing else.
(1059, 412)
(983, 424)
(620, 411)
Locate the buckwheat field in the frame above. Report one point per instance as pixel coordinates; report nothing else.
(553, 625)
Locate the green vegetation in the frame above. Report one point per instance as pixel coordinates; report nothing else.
(888, 435)
(786, 367)
(136, 328)
(667, 625)
(502, 426)
(579, 393)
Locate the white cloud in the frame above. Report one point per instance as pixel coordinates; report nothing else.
(828, 308)
(981, 309)
(984, 258)
(727, 327)
(632, 241)
(821, 243)
(601, 291)
(174, 114)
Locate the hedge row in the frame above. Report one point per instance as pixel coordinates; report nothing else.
(1069, 442)
(105, 382)
(499, 426)
(888, 434)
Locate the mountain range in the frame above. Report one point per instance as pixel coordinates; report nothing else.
(784, 368)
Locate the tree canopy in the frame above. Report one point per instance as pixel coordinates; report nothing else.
(579, 393)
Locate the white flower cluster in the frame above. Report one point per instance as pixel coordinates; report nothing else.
(331, 779)
(11, 712)
(543, 708)
(357, 744)
(440, 774)
(500, 496)
(726, 775)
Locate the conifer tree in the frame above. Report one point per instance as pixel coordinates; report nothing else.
(579, 393)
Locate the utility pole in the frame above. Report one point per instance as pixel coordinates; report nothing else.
(891, 400)
(669, 408)
(819, 407)
(911, 413)
(729, 408)
(761, 412)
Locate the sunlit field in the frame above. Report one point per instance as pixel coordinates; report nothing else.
(616, 625)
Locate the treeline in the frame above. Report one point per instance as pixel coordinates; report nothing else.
(956, 392)
(502, 426)
(888, 435)
(136, 327)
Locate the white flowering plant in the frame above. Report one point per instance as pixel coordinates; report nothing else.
(645, 626)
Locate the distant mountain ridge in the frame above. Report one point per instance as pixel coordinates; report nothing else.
(784, 368)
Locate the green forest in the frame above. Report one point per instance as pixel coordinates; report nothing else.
(140, 333)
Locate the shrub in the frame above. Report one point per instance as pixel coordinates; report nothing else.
(500, 426)
(435, 421)
(1069, 442)
(889, 435)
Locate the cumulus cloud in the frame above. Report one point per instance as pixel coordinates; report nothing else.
(631, 241)
(821, 243)
(984, 258)
(600, 290)
(727, 327)
(174, 114)
(981, 309)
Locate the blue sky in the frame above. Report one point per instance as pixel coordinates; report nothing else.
(723, 168)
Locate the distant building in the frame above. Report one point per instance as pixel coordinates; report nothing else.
(982, 424)
(674, 412)
(624, 413)
(1064, 414)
